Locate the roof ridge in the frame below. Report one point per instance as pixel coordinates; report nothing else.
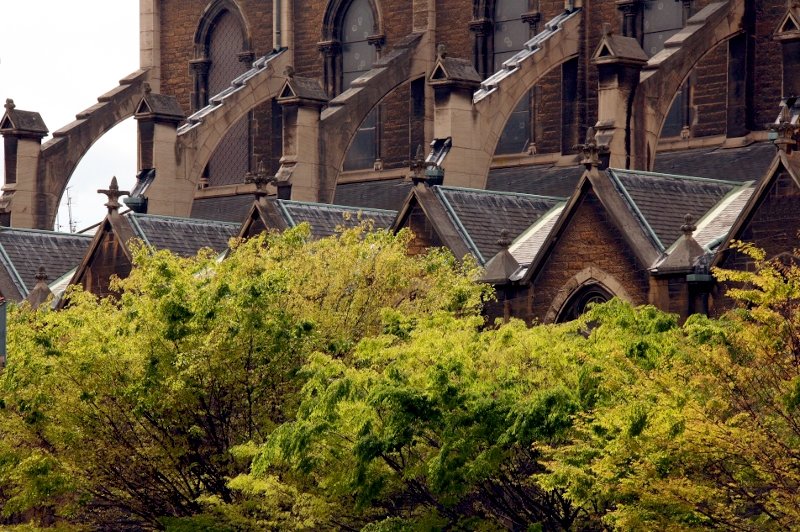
(675, 176)
(459, 226)
(202, 221)
(635, 208)
(500, 192)
(336, 206)
(43, 232)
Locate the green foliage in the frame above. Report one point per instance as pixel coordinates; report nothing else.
(131, 408)
(340, 384)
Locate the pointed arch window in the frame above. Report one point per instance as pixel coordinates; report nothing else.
(510, 35)
(661, 19)
(358, 55)
(222, 53)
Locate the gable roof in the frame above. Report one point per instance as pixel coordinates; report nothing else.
(24, 251)
(182, 236)
(471, 220)
(660, 201)
(780, 163)
(324, 219)
(24, 122)
(637, 235)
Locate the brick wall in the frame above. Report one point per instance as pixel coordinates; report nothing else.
(425, 235)
(181, 17)
(773, 227)
(590, 239)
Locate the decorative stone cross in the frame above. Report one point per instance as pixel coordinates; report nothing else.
(113, 193)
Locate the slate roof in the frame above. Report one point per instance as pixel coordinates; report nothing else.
(481, 215)
(182, 236)
(661, 201)
(324, 219)
(386, 194)
(712, 229)
(23, 251)
(223, 209)
(527, 245)
(545, 180)
(748, 163)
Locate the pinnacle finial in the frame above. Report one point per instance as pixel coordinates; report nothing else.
(441, 51)
(288, 71)
(688, 227)
(260, 179)
(41, 276)
(591, 150)
(607, 29)
(147, 88)
(113, 193)
(418, 165)
(10, 104)
(505, 238)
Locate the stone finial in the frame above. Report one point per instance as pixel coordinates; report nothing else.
(10, 106)
(504, 241)
(784, 131)
(688, 228)
(607, 29)
(288, 71)
(146, 88)
(441, 51)
(113, 193)
(418, 164)
(592, 150)
(41, 275)
(261, 179)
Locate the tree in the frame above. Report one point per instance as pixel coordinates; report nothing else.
(128, 408)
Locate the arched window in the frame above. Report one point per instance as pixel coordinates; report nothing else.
(358, 55)
(589, 294)
(222, 53)
(661, 20)
(510, 35)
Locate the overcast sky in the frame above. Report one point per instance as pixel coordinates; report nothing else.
(57, 57)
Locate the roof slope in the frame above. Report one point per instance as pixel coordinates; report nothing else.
(182, 236)
(26, 250)
(224, 209)
(383, 194)
(662, 201)
(482, 215)
(747, 163)
(325, 219)
(557, 181)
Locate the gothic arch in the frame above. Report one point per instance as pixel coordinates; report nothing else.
(210, 14)
(663, 76)
(591, 277)
(334, 13)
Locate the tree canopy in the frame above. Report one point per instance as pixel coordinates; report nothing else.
(341, 383)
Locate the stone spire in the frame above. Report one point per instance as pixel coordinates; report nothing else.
(113, 193)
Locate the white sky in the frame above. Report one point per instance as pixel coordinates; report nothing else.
(56, 58)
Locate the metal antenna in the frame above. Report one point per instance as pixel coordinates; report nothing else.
(73, 225)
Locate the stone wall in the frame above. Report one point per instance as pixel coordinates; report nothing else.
(590, 239)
